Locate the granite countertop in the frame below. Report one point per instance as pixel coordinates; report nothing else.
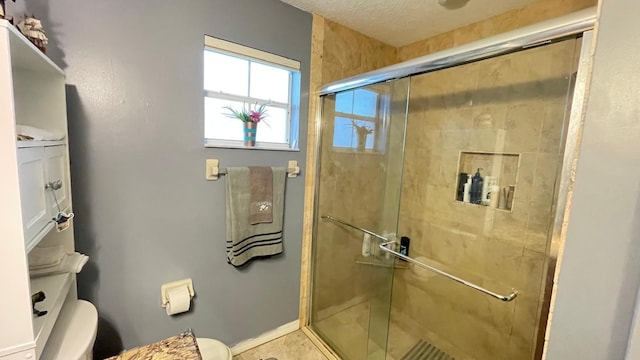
(181, 347)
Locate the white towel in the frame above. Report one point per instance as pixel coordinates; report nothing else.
(45, 256)
(71, 263)
(38, 134)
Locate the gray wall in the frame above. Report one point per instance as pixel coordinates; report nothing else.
(144, 212)
(601, 267)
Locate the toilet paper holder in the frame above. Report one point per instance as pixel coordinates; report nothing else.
(164, 289)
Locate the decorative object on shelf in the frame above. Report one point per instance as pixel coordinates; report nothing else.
(3, 12)
(250, 118)
(36, 298)
(31, 27)
(362, 132)
(62, 219)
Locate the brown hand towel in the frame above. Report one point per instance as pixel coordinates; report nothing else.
(261, 189)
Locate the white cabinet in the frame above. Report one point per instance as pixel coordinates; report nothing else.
(32, 92)
(56, 177)
(43, 189)
(33, 197)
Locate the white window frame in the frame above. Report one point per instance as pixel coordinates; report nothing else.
(263, 57)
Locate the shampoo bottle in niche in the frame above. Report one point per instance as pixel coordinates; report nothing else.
(476, 188)
(510, 194)
(466, 197)
(462, 180)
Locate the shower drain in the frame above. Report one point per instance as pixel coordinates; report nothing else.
(426, 351)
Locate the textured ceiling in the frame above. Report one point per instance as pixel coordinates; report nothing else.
(402, 22)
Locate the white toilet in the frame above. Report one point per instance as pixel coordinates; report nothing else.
(74, 333)
(211, 349)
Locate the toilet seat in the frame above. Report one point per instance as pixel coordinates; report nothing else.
(211, 349)
(74, 334)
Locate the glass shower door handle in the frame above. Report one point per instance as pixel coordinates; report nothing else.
(506, 298)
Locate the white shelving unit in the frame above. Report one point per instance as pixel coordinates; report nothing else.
(32, 92)
(56, 287)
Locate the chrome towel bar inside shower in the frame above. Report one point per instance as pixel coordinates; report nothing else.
(384, 246)
(334, 219)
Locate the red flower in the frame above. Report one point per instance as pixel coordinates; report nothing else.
(255, 116)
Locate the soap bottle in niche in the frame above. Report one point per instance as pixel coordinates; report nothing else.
(486, 189)
(462, 180)
(404, 246)
(466, 194)
(510, 194)
(494, 196)
(476, 188)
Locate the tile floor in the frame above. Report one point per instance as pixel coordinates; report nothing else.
(294, 346)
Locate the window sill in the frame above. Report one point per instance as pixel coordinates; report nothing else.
(240, 145)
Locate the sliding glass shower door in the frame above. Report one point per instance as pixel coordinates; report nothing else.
(482, 157)
(361, 166)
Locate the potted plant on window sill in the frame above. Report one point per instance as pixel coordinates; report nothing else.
(250, 118)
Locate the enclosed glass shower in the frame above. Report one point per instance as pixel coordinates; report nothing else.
(436, 213)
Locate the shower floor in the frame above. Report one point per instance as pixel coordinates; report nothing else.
(348, 332)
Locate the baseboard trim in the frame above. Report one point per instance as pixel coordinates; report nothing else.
(280, 331)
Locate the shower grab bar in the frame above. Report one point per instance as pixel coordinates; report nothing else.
(505, 298)
(384, 247)
(334, 219)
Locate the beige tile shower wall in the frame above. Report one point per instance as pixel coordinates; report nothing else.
(535, 12)
(347, 52)
(512, 104)
(315, 81)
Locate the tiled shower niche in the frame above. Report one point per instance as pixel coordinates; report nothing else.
(497, 183)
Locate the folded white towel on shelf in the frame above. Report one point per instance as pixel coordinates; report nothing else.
(46, 256)
(71, 263)
(38, 134)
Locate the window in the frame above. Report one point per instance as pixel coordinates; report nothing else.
(237, 76)
(357, 119)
